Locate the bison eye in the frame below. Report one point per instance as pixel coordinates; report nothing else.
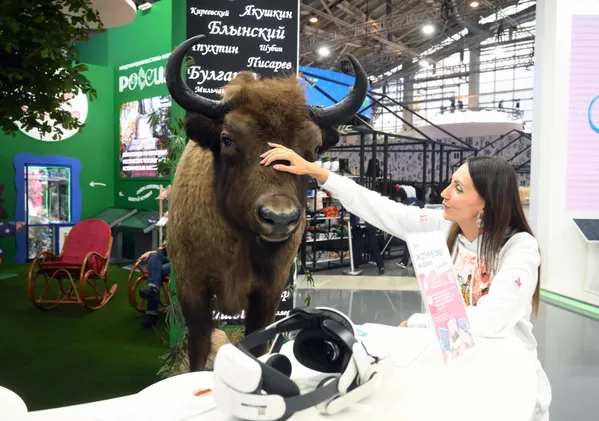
(227, 142)
(317, 150)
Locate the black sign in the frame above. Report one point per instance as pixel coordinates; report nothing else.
(285, 304)
(259, 36)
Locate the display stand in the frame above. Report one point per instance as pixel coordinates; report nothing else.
(589, 229)
(114, 217)
(323, 246)
(351, 271)
(143, 225)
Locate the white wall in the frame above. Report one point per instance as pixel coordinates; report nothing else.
(568, 261)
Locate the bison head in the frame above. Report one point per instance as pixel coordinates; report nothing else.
(237, 130)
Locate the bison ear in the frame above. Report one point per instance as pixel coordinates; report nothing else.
(330, 137)
(202, 130)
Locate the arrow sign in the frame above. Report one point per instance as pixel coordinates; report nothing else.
(94, 184)
(121, 194)
(141, 198)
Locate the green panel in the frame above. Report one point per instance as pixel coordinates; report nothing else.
(150, 34)
(127, 196)
(147, 36)
(138, 221)
(94, 147)
(144, 80)
(95, 50)
(110, 215)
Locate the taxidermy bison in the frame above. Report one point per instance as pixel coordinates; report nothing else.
(235, 226)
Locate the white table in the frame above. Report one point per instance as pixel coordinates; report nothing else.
(495, 381)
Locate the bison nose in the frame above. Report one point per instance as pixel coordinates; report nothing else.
(280, 221)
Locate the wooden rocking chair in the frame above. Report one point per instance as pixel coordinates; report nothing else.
(138, 278)
(79, 275)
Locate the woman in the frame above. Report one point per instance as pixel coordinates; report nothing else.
(496, 257)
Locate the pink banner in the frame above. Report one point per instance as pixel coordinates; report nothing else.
(441, 293)
(582, 175)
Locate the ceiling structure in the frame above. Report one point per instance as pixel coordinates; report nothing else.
(384, 34)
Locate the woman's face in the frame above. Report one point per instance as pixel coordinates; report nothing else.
(462, 203)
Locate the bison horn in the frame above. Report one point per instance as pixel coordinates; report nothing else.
(181, 93)
(348, 106)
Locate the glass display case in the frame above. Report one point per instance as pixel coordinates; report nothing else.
(47, 205)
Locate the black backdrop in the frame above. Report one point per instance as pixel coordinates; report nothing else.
(259, 36)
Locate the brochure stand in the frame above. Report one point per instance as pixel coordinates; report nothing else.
(441, 293)
(352, 271)
(589, 230)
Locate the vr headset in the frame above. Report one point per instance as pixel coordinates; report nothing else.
(325, 341)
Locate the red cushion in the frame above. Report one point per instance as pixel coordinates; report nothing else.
(63, 262)
(86, 236)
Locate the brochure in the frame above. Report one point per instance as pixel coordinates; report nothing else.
(441, 293)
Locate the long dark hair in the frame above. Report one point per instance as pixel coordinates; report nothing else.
(496, 182)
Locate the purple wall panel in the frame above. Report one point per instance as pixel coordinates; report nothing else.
(582, 174)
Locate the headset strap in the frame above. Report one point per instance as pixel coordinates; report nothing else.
(301, 402)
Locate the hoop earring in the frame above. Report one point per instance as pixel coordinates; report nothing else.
(479, 222)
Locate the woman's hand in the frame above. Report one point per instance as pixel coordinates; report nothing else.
(403, 324)
(297, 164)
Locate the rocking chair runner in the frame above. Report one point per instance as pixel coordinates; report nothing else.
(135, 283)
(79, 275)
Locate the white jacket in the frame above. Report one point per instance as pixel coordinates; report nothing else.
(506, 307)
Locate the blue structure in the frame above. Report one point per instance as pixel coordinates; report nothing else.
(23, 159)
(336, 90)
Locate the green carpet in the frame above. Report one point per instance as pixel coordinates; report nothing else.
(68, 355)
(7, 275)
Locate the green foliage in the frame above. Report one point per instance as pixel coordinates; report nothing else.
(175, 360)
(160, 123)
(39, 66)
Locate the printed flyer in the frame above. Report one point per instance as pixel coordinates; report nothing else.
(441, 293)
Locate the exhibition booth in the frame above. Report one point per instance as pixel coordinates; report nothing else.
(119, 168)
(564, 173)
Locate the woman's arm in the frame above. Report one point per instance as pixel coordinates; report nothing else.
(381, 212)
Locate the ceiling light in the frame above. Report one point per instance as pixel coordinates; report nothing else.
(428, 29)
(145, 6)
(474, 4)
(313, 19)
(424, 63)
(323, 51)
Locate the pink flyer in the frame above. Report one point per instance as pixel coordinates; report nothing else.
(441, 293)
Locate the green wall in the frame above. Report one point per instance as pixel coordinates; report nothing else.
(153, 33)
(149, 33)
(93, 148)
